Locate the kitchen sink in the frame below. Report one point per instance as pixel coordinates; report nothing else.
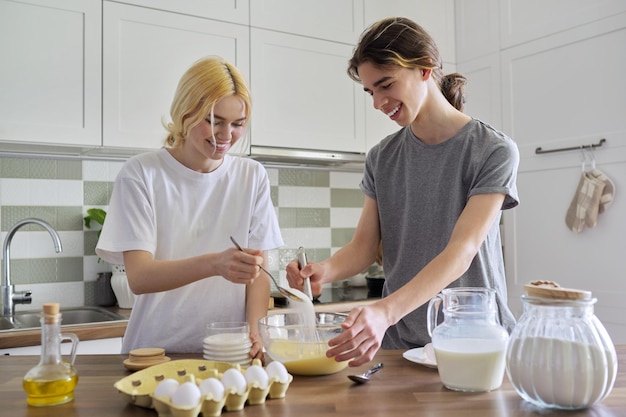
(6, 324)
(70, 316)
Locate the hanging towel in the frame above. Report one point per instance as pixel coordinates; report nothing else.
(586, 203)
(608, 194)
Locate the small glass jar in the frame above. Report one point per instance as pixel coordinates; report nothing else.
(559, 354)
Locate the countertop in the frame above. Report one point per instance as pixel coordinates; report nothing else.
(91, 331)
(401, 389)
(104, 330)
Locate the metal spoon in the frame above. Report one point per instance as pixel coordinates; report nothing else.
(365, 376)
(287, 292)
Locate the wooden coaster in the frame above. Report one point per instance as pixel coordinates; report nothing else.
(145, 357)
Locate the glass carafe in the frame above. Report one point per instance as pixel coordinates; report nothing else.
(560, 355)
(53, 380)
(470, 343)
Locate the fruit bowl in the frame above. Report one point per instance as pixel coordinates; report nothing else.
(300, 342)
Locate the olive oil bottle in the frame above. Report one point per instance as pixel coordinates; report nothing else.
(53, 380)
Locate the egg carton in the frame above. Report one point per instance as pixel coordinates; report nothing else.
(138, 388)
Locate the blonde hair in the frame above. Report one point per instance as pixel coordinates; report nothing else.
(398, 41)
(206, 82)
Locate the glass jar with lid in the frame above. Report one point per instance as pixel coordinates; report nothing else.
(559, 354)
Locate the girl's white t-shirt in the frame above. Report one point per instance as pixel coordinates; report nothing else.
(160, 206)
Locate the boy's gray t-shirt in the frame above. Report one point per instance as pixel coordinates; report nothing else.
(421, 191)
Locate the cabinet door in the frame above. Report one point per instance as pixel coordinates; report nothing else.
(483, 91)
(377, 124)
(335, 20)
(145, 53)
(477, 28)
(235, 11)
(523, 21)
(303, 97)
(50, 71)
(566, 90)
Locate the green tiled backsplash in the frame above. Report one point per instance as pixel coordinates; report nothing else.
(318, 209)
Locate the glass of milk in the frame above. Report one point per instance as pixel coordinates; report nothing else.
(470, 343)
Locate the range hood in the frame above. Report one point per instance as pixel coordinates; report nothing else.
(352, 161)
(267, 155)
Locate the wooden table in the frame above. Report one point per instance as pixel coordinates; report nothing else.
(401, 389)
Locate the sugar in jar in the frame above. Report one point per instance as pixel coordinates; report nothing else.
(559, 354)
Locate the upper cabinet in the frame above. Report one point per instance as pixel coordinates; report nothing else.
(477, 29)
(334, 20)
(100, 75)
(145, 52)
(554, 71)
(50, 89)
(234, 11)
(302, 95)
(520, 22)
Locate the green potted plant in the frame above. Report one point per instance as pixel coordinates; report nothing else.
(97, 215)
(119, 281)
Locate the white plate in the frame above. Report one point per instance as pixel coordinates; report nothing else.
(243, 361)
(225, 358)
(417, 355)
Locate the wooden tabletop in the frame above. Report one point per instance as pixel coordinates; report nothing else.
(401, 389)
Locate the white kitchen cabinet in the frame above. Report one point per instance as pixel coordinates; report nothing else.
(145, 52)
(566, 90)
(578, 78)
(559, 66)
(483, 90)
(234, 11)
(50, 72)
(477, 29)
(523, 21)
(302, 95)
(335, 20)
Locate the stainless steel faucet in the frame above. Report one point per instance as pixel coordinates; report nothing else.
(10, 297)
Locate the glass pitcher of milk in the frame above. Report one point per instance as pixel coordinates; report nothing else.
(470, 343)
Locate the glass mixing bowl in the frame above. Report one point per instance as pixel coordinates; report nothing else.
(300, 342)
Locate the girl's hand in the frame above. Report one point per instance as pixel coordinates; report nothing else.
(240, 267)
(256, 351)
(362, 336)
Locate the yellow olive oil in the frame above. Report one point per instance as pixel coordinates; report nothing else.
(43, 393)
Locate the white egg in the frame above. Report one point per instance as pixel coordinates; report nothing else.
(187, 395)
(166, 388)
(234, 379)
(277, 370)
(256, 373)
(213, 388)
